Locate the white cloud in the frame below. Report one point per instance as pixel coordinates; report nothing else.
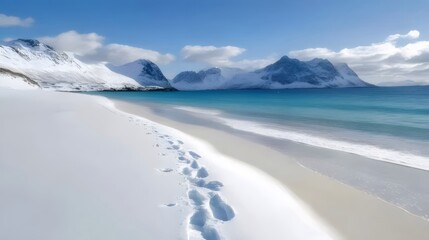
(210, 54)
(90, 47)
(413, 34)
(8, 39)
(120, 54)
(383, 61)
(221, 56)
(10, 21)
(75, 42)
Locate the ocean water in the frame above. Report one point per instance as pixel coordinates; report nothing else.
(368, 129)
(387, 124)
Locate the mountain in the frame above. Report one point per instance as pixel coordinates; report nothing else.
(404, 83)
(14, 80)
(144, 72)
(203, 80)
(34, 62)
(285, 73)
(26, 63)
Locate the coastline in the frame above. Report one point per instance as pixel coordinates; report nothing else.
(357, 215)
(92, 170)
(283, 215)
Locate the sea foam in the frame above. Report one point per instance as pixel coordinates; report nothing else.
(365, 150)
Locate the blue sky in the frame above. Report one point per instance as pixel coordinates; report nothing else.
(265, 29)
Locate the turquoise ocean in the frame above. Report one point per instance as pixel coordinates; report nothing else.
(381, 134)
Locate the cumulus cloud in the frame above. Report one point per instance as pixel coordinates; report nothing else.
(221, 57)
(211, 54)
(383, 61)
(75, 42)
(10, 21)
(413, 34)
(90, 47)
(120, 54)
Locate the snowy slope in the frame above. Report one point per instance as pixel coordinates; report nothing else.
(58, 70)
(12, 80)
(144, 72)
(285, 73)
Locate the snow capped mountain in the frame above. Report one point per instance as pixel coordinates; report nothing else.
(31, 61)
(144, 72)
(36, 65)
(204, 79)
(285, 73)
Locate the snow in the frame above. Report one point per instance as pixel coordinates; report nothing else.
(230, 199)
(58, 70)
(285, 73)
(144, 72)
(211, 78)
(62, 71)
(66, 173)
(15, 82)
(80, 178)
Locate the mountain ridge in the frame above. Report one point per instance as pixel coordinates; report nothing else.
(35, 62)
(56, 70)
(284, 73)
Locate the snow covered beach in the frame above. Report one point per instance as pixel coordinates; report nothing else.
(74, 166)
(352, 213)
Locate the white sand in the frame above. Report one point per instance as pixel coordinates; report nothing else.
(74, 167)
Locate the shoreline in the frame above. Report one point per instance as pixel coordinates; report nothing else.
(396, 184)
(370, 217)
(92, 170)
(284, 214)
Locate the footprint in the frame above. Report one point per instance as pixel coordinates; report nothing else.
(220, 209)
(180, 152)
(197, 182)
(186, 171)
(180, 142)
(166, 170)
(177, 147)
(214, 185)
(169, 205)
(194, 164)
(194, 155)
(199, 218)
(210, 233)
(196, 197)
(202, 173)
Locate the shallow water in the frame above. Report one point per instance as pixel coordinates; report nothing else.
(367, 127)
(386, 118)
